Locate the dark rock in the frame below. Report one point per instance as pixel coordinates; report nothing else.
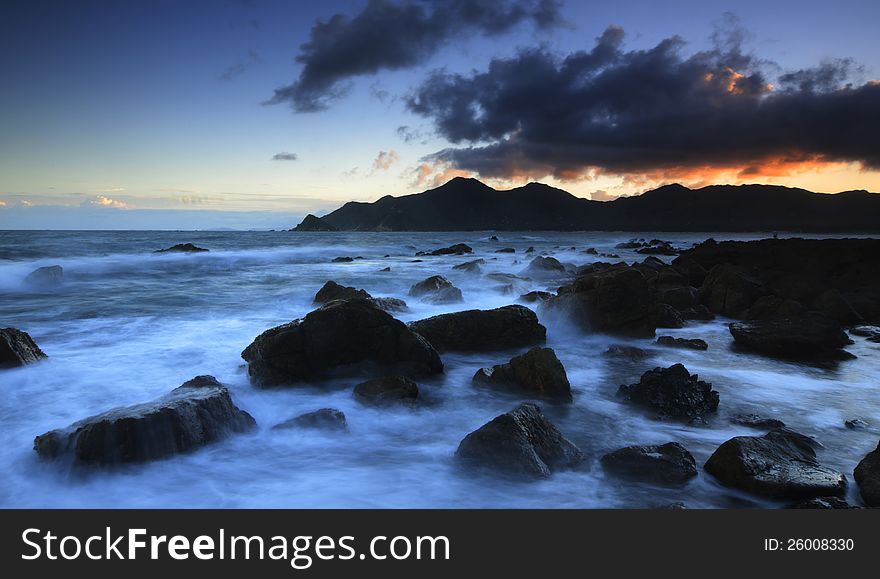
(667, 464)
(437, 290)
(192, 415)
(182, 248)
(535, 296)
(665, 316)
(457, 249)
(482, 330)
(333, 291)
(835, 306)
(688, 343)
(530, 249)
(870, 332)
(520, 442)
(312, 223)
(781, 464)
(343, 259)
(660, 248)
(693, 272)
(538, 372)
(823, 503)
(774, 308)
(628, 352)
(340, 333)
(17, 348)
(45, 277)
(729, 290)
(813, 337)
(390, 304)
(493, 238)
(867, 475)
(856, 424)
(387, 390)
(755, 421)
(591, 251)
(680, 298)
(324, 419)
(472, 266)
(673, 392)
(506, 250)
(698, 312)
(386, 268)
(542, 266)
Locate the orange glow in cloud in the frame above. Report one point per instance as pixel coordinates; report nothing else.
(428, 175)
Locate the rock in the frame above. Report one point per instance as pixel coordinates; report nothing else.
(192, 415)
(690, 269)
(660, 248)
(387, 390)
(774, 308)
(437, 290)
(835, 306)
(506, 250)
(615, 300)
(591, 251)
(390, 304)
(535, 296)
(755, 421)
(182, 248)
(386, 268)
(870, 332)
(629, 352)
(856, 424)
(457, 249)
(340, 333)
(810, 338)
(665, 316)
(823, 503)
(729, 290)
(493, 238)
(680, 298)
(17, 348)
(781, 464)
(667, 464)
(324, 419)
(482, 330)
(698, 312)
(687, 343)
(342, 259)
(45, 277)
(333, 291)
(312, 223)
(530, 249)
(542, 266)
(673, 392)
(631, 244)
(472, 266)
(538, 372)
(867, 475)
(520, 442)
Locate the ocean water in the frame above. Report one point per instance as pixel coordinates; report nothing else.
(128, 325)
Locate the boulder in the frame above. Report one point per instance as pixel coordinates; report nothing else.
(324, 419)
(457, 249)
(809, 338)
(390, 304)
(687, 343)
(781, 465)
(17, 348)
(520, 442)
(832, 303)
(45, 277)
(538, 372)
(661, 248)
(690, 269)
(856, 424)
(338, 334)
(823, 503)
(729, 290)
(673, 392)
(386, 391)
(342, 259)
(182, 248)
(196, 413)
(506, 250)
(756, 421)
(482, 330)
(665, 316)
(774, 308)
(867, 475)
(437, 290)
(535, 296)
(666, 464)
(313, 223)
(627, 352)
(543, 266)
(333, 291)
(698, 312)
(472, 266)
(872, 333)
(679, 297)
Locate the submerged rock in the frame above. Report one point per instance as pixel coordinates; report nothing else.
(668, 464)
(756, 421)
(628, 352)
(673, 392)
(387, 390)
(342, 259)
(506, 250)
(340, 333)
(45, 277)
(813, 337)
(324, 419)
(17, 348)
(482, 330)
(196, 413)
(182, 248)
(520, 442)
(538, 372)
(436, 289)
(867, 475)
(856, 424)
(687, 343)
(781, 464)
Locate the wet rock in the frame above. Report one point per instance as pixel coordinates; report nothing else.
(659, 248)
(665, 316)
(535, 296)
(781, 464)
(680, 298)
(756, 421)
(687, 343)
(343, 259)
(542, 266)
(774, 308)
(493, 238)
(698, 312)
(810, 338)
(390, 304)
(729, 290)
(520, 442)
(856, 424)
(693, 272)
(482, 330)
(591, 251)
(530, 249)
(538, 372)
(333, 291)
(867, 475)
(437, 290)
(832, 303)
(506, 250)
(338, 334)
(472, 266)
(313, 223)
(457, 249)
(823, 503)
(45, 277)
(17, 348)
(666, 464)
(627, 352)
(196, 413)
(870, 332)
(386, 268)
(673, 392)
(182, 248)
(324, 419)
(387, 391)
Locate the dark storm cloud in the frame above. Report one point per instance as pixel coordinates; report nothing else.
(284, 157)
(392, 35)
(643, 110)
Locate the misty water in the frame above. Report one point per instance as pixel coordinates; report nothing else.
(128, 326)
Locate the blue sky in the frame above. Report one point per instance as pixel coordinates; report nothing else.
(111, 109)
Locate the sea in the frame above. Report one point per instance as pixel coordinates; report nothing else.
(128, 325)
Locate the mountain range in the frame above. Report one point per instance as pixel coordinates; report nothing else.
(464, 204)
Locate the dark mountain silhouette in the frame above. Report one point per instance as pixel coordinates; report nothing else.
(469, 205)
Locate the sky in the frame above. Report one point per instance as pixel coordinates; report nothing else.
(251, 113)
